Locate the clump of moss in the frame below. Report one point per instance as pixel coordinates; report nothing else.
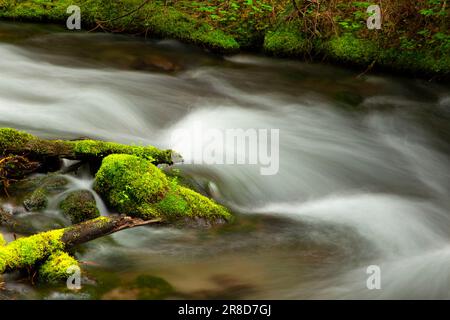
(286, 40)
(55, 268)
(183, 202)
(80, 206)
(12, 139)
(134, 186)
(170, 22)
(26, 252)
(350, 49)
(152, 288)
(131, 184)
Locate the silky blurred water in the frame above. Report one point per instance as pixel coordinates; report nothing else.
(364, 165)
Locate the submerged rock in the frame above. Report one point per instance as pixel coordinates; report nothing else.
(144, 287)
(36, 201)
(43, 187)
(80, 206)
(152, 288)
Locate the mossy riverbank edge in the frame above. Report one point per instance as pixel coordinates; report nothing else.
(280, 36)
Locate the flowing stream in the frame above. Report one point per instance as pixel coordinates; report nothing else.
(363, 179)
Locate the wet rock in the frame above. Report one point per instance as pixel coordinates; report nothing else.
(37, 200)
(80, 206)
(42, 187)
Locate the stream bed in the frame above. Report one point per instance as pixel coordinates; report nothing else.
(363, 175)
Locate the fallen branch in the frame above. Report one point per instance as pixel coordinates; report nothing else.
(14, 142)
(26, 253)
(93, 229)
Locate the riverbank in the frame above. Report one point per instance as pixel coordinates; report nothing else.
(414, 38)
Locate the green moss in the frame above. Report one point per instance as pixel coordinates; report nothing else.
(155, 18)
(201, 206)
(348, 48)
(102, 149)
(183, 202)
(26, 252)
(130, 184)
(55, 268)
(2, 240)
(170, 22)
(286, 40)
(134, 186)
(80, 206)
(425, 60)
(227, 27)
(11, 139)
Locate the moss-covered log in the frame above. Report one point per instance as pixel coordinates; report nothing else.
(26, 253)
(20, 143)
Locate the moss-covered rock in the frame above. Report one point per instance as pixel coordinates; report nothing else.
(55, 268)
(26, 252)
(131, 184)
(36, 201)
(80, 206)
(134, 186)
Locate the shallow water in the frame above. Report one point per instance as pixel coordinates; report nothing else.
(363, 176)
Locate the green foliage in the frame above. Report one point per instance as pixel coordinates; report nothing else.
(245, 20)
(170, 22)
(55, 268)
